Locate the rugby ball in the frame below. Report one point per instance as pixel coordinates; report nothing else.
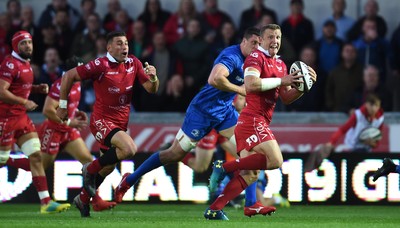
(307, 81)
(370, 133)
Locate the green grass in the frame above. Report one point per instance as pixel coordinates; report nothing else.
(171, 215)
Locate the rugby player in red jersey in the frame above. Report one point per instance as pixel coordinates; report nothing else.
(113, 77)
(16, 78)
(265, 79)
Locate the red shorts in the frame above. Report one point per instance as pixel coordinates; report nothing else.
(251, 131)
(101, 128)
(51, 139)
(211, 140)
(14, 127)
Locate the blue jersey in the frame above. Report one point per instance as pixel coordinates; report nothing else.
(211, 107)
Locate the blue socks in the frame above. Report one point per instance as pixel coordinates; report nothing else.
(151, 163)
(251, 196)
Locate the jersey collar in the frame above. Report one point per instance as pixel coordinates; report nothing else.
(15, 55)
(112, 59)
(266, 52)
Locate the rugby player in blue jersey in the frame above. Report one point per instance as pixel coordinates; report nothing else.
(210, 109)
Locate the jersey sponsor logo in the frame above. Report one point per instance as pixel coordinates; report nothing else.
(122, 99)
(112, 72)
(252, 139)
(99, 136)
(253, 63)
(97, 62)
(101, 129)
(270, 65)
(129, 70)
(279, 68)
(73, 92)
(10, 65)
(87, 66)
(262, 130)
(129, 60)
(26, 70)
(6, 74)
(114, 89)
(239, 79)
(26, 86)
(254, 54)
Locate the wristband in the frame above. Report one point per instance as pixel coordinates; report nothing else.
(63, 103)
(270, 83)
(68, 121)
(154, 80)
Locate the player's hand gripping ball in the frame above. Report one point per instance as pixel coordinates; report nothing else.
(307, 80)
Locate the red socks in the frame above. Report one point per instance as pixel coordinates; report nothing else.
(22, 163)
(85, 197)
(235, 186)
(94, 167)
(252, 162)
(40, 184)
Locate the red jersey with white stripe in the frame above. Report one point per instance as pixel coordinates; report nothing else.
(19, 74)
(263, 103)
(113, 86)
(357, 122)
(73, 102)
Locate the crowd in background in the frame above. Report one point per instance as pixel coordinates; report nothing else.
(352, 57)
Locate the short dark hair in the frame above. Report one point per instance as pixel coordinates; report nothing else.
(249, 32)
(110, 36)
(73, 62)
(270, 26)
(372, 98)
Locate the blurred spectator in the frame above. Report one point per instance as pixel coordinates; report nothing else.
(49, 72)
(226, 37)
(49, 13)
(14, 12)
(176, 24)
(28, 24)
(297, 28)
(343, 80)
(84, 44)
(193, 54)
(250, 17)
(394, 81)
(373, 49)
(113, 6)
(286, 51)
(154, 17)
(5, 35)
(162, 58)
(64, 32)
(371, 85)
(211, 19)
(139, 45)
(313, 101)
(123, 22)
(88, 7)
(328, 48)
(343, 22)
(49, 39)
(371, 9)
(101, 46)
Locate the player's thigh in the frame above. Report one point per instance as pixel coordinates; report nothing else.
(228, 133)
(124, 143)
(48, 160)
(23, 138)
(77, 149)
(272, 151)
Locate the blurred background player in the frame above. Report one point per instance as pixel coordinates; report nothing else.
(113, 80)
(370, 114)
(16, 78)
(210, 109)
(265, 79)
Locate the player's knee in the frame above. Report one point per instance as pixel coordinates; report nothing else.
(31, 146)
(128, 150)
(4, 155)
(275, 163)
(35, 158)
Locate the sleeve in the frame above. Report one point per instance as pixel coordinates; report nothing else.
(351, 122)
(8, 71)
(91, 70)
(253, 60)
(140, 72)
(55, 90)
(229, 61)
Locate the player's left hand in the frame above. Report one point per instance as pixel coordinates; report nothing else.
(370, 142)
(81, 116)
(42, 88)
(150, 70)
(313, 74)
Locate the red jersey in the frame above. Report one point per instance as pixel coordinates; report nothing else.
(18, 72)
(113, 86)
(73, 102)
(263, 103)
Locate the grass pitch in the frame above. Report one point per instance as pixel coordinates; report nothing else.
(183, 215)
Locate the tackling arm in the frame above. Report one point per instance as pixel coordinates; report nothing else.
(218, 79)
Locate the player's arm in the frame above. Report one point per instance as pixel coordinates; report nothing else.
(7, 97)
(67, 81)
(41, 88)
(219, 79)
(152, 84)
